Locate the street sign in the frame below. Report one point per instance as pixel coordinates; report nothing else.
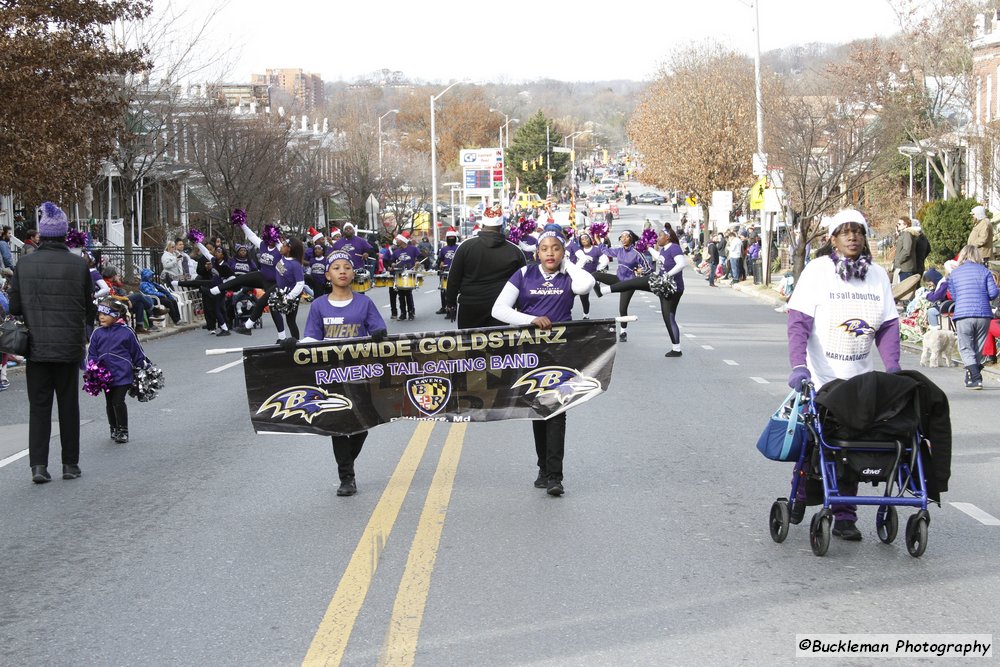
(482, 171)
(560, 149)
(722, 199)
(772, 200)
(757, 194)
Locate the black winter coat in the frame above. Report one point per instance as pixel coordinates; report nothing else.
(52, 290)
(874, 405)
(481, 267)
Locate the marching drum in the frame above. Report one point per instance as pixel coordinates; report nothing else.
(420, 280)
(443, 279)
(406, 280)
(383, 279)
(362, 281)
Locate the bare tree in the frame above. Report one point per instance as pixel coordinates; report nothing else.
(240, 159)
(153, 143)
(834, 142)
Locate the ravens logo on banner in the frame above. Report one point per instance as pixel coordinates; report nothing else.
(559, 381)
(429, 394)
(305, 402)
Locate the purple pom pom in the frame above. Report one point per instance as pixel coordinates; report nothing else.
(514, 235)
(195, 236)
(96, 378)
(76, 239)
(598, 230)
(646, 241)
(238, 217)
(271, 235)
(528, 227)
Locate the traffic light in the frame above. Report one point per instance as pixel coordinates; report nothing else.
(605, 153)
(572, 156)
(524, 165)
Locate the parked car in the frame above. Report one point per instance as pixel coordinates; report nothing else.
(651, 198)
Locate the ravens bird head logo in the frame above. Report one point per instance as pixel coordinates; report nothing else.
(305, 402)
(558, 381)
(858, 327)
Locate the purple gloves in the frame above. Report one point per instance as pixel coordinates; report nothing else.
(799, 375)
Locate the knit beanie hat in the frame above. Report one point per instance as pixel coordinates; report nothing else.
(52, 222)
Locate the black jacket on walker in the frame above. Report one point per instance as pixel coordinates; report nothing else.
(875, 404)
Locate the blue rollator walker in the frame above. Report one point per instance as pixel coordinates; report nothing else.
(895, 462)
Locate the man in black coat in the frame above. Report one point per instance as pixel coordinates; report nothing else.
(481, 267)
(52, 290)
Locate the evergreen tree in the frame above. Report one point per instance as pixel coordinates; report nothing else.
(529, 148)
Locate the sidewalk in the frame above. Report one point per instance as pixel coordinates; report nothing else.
(769, 294)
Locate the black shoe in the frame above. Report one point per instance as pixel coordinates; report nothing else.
(990, 360)
(122, 436)
(554, 487)
(394, 317)
(673, 353)
(242, 330)
(114, 433)
(347, 488)
(71, 471)
(623, 337)
(223, 332)
(797, 512)
(597, 290)
(411, 316)
(542, 481)
(440, 311)
(40, 474)
(846, 530)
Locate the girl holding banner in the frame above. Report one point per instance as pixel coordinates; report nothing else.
(344, 314)
(523, 302)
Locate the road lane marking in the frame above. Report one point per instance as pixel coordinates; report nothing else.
(707, 347)
(759, 380)
(225, 366)
(408, 611)
(979, 515)
(687, 335)
(330, 641)
(730, 362)
(13, 457)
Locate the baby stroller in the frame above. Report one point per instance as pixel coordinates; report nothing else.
(878, 443)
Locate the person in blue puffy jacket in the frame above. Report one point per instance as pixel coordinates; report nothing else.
(167, 300)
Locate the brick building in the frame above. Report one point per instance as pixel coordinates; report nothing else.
(305, 89)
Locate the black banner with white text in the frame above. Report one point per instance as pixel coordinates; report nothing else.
(470, 375)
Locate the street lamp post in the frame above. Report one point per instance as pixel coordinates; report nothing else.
(434, 214)
(380, 139)
(506, 119)
(910, 152)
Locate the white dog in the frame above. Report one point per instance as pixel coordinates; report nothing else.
(940, 345)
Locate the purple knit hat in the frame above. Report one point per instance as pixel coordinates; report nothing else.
(52, 222)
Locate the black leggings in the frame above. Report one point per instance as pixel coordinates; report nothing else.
(585, 302)
(117, 411)
(625, 288)
(405, 301)
(256, 280)
(214, 306)
(668, 305)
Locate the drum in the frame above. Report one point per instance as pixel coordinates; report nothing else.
(420, 280)
(383, 279)
(362, 281)
(406, 280)
(443, 279)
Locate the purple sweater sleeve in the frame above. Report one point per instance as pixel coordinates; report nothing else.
(887, 342)
(800, 326)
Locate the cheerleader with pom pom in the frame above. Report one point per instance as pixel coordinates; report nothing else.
(631, 264)
(114, 352)
(586, 255)
(265, 278)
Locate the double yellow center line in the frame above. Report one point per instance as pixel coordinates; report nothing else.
(330, 642)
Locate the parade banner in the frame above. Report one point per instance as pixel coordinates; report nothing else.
(470, 375)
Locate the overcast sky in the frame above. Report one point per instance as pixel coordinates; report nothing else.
(514, 40)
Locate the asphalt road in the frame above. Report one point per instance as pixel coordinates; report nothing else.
(200, 543)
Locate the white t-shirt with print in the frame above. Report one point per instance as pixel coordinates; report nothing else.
(846, 316)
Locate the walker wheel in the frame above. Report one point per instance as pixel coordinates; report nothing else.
(916, 533)
(779, 520)
(887, 523)
(819, 532)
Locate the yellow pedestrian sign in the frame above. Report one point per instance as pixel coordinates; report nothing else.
(757, 194)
